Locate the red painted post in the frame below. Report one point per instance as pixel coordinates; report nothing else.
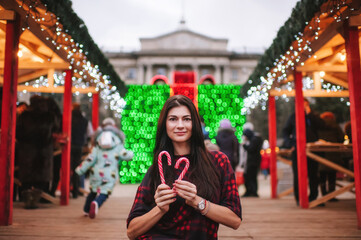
(354, 82)
(272, 135)
(95, 111)
(65, 160)
(301, 142)
(8, 121)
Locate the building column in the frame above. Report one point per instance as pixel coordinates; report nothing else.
(227, 75)
(171, 69)
(140, 74)
(148, 74)
(196, 71)
(217, 74)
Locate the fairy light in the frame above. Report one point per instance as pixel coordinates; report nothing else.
(76, 55)
(287, 61)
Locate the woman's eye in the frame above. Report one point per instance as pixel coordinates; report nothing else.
(188, 119)
(172, 119)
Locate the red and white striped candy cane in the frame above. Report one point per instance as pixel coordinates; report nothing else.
(160, 164)
(182, 159)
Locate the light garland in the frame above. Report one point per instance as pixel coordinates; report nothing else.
(77, 57)
(258, 95)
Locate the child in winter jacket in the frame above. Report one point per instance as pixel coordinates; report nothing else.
(103, 164)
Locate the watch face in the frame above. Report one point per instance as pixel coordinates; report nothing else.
(201, 205)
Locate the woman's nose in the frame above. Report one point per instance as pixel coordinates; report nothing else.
(180, 124)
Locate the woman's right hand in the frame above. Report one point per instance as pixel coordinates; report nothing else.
(164, 196)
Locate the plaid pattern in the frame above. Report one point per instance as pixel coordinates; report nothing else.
(183, 221)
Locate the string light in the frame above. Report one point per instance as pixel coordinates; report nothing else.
(285, 63)
(61, 40)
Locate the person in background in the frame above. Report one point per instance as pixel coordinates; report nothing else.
(79, 125)
(193, 207)
(103, 162)
(20, 108)
(34, 134)
(253, 148)
(332, 132)
(228, 142)
(55, 109)
(313, 124)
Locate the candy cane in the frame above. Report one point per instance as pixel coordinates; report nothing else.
(160, 164)
(182, 159)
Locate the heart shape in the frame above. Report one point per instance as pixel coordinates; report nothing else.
(169, 161)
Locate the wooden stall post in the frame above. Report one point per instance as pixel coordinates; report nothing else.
(351, 36)
(65, 160)
(8, 120)
(272, 132)
(301, 141)
(95, 111)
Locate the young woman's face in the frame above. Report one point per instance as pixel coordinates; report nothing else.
(179, 124)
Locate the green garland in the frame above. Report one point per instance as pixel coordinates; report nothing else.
(77, 29)
(303, 12)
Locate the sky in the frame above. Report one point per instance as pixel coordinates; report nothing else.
(249, 25)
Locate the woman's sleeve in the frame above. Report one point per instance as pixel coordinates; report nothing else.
(229, 192)
(143, 201)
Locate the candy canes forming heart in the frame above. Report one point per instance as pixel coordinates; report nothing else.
(160, 165)
(182, 159)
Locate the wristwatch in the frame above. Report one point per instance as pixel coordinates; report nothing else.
(201, 205)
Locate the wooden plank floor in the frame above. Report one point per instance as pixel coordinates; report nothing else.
(262, 219)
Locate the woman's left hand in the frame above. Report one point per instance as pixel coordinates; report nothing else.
(186, 190)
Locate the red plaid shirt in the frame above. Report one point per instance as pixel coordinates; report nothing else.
(183, 221)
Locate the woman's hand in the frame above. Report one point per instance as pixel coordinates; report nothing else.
(164, 196)
(188, 191)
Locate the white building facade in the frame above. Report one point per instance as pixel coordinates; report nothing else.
(183, 50)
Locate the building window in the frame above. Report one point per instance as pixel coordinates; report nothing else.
(132, 73)
(161, 71)
(234, 74)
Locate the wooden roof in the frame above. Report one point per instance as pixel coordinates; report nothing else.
(53, 39)
(318, 51)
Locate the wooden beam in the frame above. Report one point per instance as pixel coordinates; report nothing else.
(324, 68)
(285, 192)
(351, 35)
(331, 195)
(59, 89)
(8, 120)
(328, 163)
(310, 93)
(35, 28)
(272, 133)
(39, 65)
(301, 142)
(32, 75)
(335, 80)
(317, 81)
(7, 15)
(355, 21)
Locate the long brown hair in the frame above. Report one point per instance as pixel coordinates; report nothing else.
(203, 172)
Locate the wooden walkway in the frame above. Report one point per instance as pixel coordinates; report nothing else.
(262, 219)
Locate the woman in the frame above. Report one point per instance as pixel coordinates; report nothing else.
(191, 208)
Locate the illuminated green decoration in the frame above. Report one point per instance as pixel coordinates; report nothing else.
(140, 117)
(139, 124)
(217, 102)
